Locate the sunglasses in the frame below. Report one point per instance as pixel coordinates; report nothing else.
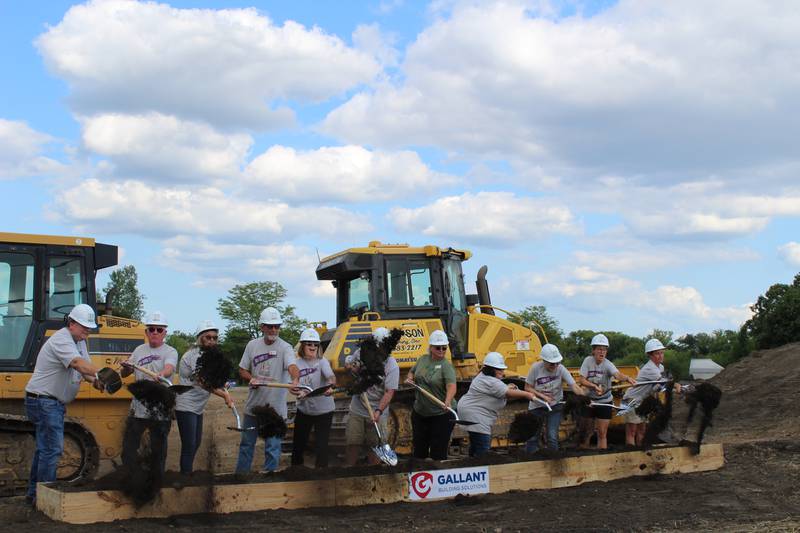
(439, 347)
(153, 329)
(210, 337)
(314, 344)
(272, 326)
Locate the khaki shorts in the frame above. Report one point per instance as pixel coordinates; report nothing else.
(360, 430)
(632, 418)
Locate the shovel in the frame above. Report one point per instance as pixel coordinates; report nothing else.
(382, 451)
(628, 385)
(110, 379)
(441, 404)
(239, 421)
(277, 385)
(177, 389)
(622, 407)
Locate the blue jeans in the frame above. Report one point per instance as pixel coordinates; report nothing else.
(551, 420)
(190, 427)
(47, 415)
(272, 448)
(479, 444)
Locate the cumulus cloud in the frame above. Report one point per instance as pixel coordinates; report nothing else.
(790, 253)
(21, 149)
(161, 147)
(226, 67)
(136, 207)
(489, 218)
(679, 86)
(344, 174)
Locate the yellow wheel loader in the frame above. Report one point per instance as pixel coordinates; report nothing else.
(41, 279)
(419, 290)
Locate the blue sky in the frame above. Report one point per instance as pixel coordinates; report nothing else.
(629, 165)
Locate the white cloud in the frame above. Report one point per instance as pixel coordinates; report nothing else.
(790, 253)
(370, 39)
(344, 174)
(138, 208)
(161, 147)
(680, 86)
(21, 149)
(226, 67)
(489, 218)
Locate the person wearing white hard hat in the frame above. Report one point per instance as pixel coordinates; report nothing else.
(545, 380)
(653, 370)
(316, 412)
(62, 363)
(267, 358)
(595, 376)
(190, 405)
(156, 356)
(483, 401)
(432, 425)
(360, 430)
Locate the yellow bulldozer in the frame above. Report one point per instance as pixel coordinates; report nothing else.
(419, 290)
(41, 279)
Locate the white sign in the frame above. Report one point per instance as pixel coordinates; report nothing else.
(447, 483)
(523, 345)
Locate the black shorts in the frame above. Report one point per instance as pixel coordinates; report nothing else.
(603, 413)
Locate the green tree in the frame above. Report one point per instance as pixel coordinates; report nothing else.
(126, 301)
(244, 304)
(233, 344)
(776, 316)
(539, 315)
(180, 341)
(664, 335)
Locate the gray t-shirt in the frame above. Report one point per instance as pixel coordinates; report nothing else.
(52, 375)
(195, 400)
(484, 399)
(601, 374)
(391, 381)
(649, 372)
(548, 382)
(264, 360)
(153, 359)
(315, 374)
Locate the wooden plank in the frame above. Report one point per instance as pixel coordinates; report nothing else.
(372, 489)
(259, 496)
(105, 506)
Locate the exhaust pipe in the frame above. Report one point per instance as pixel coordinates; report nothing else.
(483, 291)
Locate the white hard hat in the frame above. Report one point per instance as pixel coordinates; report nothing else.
(380, 333)
(156, 318)
(309, 335)
(270, 316)
(494, 360)
(551, 354)
(652, 345)
(438, 338)
(599, 340)
(205, 325)
(83, 314)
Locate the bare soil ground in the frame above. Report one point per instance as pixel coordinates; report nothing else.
(757, 490)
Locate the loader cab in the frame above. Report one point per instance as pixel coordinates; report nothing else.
(400, 282)
(41, 279)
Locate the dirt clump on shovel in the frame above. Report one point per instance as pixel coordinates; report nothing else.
(268, 422)
(373, 356)
(212, 369)
(524, 426)
(157, 398)
(659, 418)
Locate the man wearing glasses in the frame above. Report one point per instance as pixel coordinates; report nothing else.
(161, 358)
(265, 359)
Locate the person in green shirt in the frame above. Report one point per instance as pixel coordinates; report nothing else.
(431, 424)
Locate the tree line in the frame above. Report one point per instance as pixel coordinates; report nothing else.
(775, 322)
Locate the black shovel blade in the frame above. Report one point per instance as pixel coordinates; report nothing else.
(319, 390)
(464, 422)
(110, 379)
(180, 389)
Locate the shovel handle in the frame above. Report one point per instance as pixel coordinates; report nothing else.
(629, 385)
(433, 398)
(152, 374)
(276, 385)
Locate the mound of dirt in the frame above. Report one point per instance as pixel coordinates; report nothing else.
(759, 398)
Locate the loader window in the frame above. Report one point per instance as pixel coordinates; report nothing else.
(408, 283)
(358, 296)
(66, 286)
(454, 285)
(16, 303)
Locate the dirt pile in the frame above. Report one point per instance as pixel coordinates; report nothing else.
(212, 368)
(759, 398)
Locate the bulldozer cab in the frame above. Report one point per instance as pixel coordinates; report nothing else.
(400, 282)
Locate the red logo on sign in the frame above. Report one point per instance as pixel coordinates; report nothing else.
(422, 483)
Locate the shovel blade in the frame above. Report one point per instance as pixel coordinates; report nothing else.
(110, 379)
(180, 389)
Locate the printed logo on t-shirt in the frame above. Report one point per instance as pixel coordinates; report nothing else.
(264, 357)
(595, 374)
(149, 359)
(544, 380)
(307, 371)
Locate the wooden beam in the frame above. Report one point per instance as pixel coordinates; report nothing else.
(105, 506)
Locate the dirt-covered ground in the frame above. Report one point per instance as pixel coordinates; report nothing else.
(757, 490)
